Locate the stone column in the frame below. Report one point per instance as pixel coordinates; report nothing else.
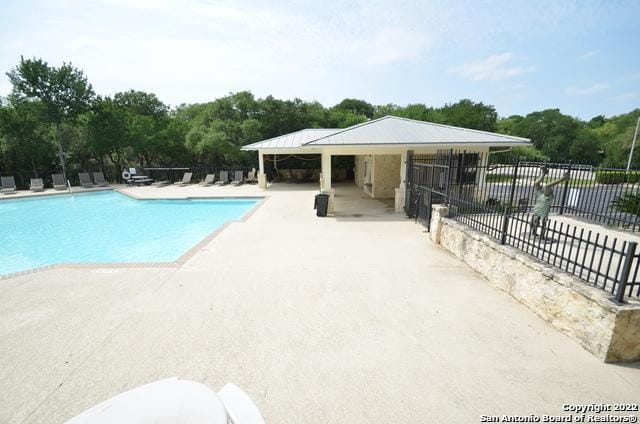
(262, 177)
(435, 226)
(402, 189)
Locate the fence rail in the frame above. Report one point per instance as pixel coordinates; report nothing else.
(503, 208)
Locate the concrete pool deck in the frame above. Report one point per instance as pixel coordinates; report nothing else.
(356, 318)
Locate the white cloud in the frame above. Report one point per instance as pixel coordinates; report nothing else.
(629, 78)
(586, 91)
(588, 55)
(493, 68)
(191, 50)
(81, 43)
(626, 96)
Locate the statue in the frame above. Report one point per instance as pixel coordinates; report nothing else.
(543, 199)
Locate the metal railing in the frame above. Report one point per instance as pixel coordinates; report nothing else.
(591, 193)
(502, 208)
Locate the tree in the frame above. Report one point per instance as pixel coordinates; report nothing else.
(585, 148)
(64, 93)
(550, 131)
(146, 117)
(26, 141)
(468, 114)
(357, 107)
(107, 131)
(615, 136)
(421, 112)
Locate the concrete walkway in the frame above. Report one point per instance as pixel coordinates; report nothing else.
(357, 318)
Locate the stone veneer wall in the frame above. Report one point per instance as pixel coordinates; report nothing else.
(358, 173)
(386, 176)
(586, 314)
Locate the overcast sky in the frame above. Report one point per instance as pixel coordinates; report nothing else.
(581, 56)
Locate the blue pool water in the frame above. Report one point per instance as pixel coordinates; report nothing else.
(106, 227)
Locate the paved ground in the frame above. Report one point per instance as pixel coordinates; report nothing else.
(350, 319)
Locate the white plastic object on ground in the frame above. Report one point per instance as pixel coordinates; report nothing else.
(239, 406)
(168, 401)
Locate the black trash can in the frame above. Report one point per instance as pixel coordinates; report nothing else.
(321, 204)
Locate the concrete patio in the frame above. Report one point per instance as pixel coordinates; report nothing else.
(356, 318)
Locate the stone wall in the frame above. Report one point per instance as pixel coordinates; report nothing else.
(584, 313)
(386, 176)
(358, 173)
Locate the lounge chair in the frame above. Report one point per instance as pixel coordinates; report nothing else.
(162, 183)
(251, 176)
(186, 179)
(58, 182)
(238, 178)
(175, 400)
(208, 180)
(224, 178)
(8, 185)
(85, 180)
(36, 184)
(98, 177)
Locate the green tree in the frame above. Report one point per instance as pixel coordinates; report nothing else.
(107, 132)
(64, 92)
(585, 148)
(146, 117)
(26, 139)
(357, 107)
(551, 132)
(469, 114)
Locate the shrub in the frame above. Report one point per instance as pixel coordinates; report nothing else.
(628, 202)
(617, 177)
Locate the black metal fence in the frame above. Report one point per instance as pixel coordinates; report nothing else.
(503, 208)
(608, 196)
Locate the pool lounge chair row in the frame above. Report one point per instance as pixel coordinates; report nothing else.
(223, 179)
(210, 179)
(98, 180)
(9, 183)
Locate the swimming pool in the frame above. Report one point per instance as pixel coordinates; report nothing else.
(106, 227)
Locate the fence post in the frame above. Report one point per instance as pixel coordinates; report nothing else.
(564, 192)
(408, 182)
(507, 210)
(626, 270)
(448, 182)
(461, 172)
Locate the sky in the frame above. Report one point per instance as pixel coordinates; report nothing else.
(520, 56)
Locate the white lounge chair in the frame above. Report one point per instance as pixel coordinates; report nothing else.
(174, 401)
(208, 180)
(186, 179)
(8, 185)
(239, 406)
(238, 178)
(224, 178)
(251, 176)
(162, 183)
(59, 182)
(36, 184)
(85, 180)
(99, 179)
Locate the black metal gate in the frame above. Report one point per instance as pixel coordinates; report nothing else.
(427, 183)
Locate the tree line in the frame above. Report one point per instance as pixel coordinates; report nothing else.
(53, 117)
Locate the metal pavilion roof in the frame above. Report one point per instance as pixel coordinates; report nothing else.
(388, 131)
(291, 140)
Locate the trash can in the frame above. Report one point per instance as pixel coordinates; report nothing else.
(321, 204)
